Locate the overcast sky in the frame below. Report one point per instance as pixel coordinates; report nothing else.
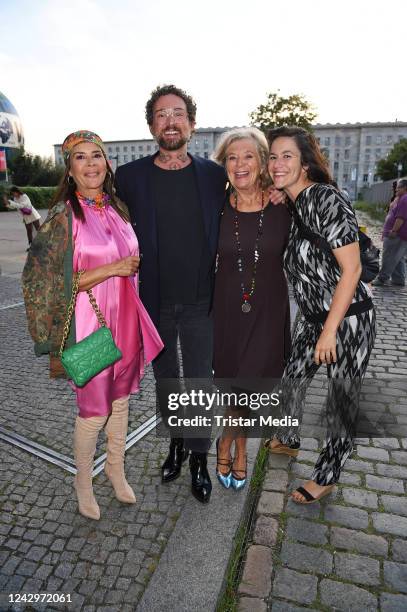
(74, 64)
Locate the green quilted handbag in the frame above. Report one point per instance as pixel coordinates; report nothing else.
(92, 354)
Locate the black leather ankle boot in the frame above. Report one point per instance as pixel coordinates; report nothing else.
(177, 454)
(201, 485)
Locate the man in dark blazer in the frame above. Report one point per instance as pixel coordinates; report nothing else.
(175, 202)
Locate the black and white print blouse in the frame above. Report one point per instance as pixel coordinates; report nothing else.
(311, 271)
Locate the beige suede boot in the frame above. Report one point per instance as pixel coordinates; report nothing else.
(85, 438)
(116, 431)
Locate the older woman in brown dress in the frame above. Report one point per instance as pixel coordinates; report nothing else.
(251, 304)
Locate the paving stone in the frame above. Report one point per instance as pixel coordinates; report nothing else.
(352, 465)
(393, 603)
(390, 523)
(303, 510)
(360, 497)
(395, 575)
(284, 606)
(265, 531)
(309, 444)
(390, 485)
(251, 604)
(307, 558)
(373, 453)
(36, 553)
(400, 456)
(350, 517)
(399, 550)
(295, 586)
(307, 455)
(278, 461)
(306, 531)
(350, 478)
(389, 443)
(26, 568)
(276, 480)
(392, 471)
(270, 503)
(357, 569)
(359, 541)
(351, 598)
(395, 505)
(256, 579)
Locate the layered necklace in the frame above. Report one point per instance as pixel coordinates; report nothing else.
(247, 294)
(101, 200)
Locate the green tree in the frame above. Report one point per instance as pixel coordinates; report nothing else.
(387, 168)
(293, 110)
(28, 169)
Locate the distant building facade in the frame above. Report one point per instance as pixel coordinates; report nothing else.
(353, 149)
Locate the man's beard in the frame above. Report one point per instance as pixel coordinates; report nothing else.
(172, 145)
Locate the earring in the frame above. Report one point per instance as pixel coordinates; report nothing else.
(70, 180)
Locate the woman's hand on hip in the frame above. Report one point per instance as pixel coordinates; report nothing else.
(325, 350)
(128, 266)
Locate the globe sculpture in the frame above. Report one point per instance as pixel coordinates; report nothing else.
(11, 133)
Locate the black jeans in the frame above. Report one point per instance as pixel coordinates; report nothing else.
(193, 327)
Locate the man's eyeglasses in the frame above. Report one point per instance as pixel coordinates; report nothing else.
(177, 113)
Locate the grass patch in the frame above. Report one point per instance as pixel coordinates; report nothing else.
(228, 600)
(375, 211)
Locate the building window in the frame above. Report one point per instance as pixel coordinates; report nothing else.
(148, 147)
(125, 148)
(133, 148)
(367, 155)
(337, 141)
(337, 154)
(196, 144)
(345, 177)
(140, 147)
(346, 154)
(110, 149)
(376, 178)
(133, 157)
(378, 153)
(389, 138)
(206, 143)
(401, 137)
(336, 165)
(124, 158)
(368, 140)
(327, 141)
(117, 149)
(140, 156)
(379, 139)
(365, 178)
(347, 141)
(206, 155)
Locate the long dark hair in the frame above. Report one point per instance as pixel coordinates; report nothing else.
(67, 188)
(311, 156)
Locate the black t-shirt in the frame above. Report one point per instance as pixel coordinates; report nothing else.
(184, 258)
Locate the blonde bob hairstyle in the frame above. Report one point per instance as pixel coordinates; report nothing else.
(260, 141)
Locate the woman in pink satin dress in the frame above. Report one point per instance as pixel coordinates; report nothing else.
(106, 248)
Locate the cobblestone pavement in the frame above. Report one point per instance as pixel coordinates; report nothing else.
(348, 552)
(45, 545)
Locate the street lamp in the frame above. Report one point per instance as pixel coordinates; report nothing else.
(399, 169)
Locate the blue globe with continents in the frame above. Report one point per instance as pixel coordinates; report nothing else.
(11, 132)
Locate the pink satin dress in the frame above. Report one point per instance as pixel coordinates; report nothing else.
(104, 238)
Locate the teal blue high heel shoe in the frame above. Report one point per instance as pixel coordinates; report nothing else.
(224, 479)
(237, 482)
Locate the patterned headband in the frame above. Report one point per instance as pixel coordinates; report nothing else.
(76, 138)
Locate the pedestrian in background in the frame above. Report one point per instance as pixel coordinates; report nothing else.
(394, 238)
(31, 217)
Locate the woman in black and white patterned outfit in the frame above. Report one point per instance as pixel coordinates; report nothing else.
(338, 322)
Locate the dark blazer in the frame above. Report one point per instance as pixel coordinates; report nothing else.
(134, 187)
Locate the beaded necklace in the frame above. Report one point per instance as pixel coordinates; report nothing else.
(248, 294)
(101, 200)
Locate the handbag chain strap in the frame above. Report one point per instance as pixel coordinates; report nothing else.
(71, 308)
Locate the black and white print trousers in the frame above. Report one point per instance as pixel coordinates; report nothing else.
(355, 340)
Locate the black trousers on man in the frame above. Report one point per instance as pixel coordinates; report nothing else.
(193, 327)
